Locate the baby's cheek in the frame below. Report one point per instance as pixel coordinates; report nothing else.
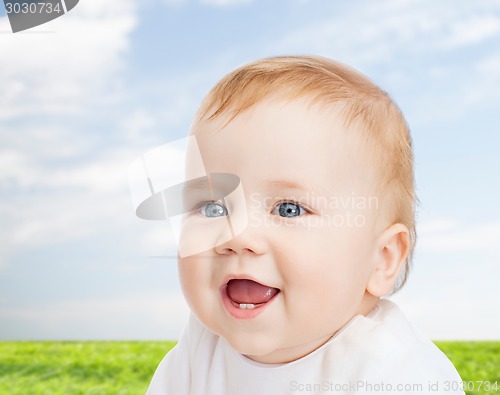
(191, 277)
(194, 285)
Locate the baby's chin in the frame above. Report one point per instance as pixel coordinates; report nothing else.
(270, 349)
(248, 343)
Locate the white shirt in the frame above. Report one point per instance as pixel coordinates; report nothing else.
(380, 353)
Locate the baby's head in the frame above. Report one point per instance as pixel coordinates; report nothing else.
(326, 168)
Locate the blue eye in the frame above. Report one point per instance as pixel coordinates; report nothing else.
(289, 209)
(212, 210)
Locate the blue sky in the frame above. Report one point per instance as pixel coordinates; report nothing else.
(84, 95)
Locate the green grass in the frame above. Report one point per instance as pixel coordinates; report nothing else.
(125, 368)
(476, 362)
(78, 368)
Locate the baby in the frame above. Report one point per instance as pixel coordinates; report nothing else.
(310, 167)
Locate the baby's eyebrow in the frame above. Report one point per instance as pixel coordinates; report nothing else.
(216, 184)
(289, 184)
(222, 187)
(201, 183)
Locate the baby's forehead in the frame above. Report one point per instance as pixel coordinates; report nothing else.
(283, 121)
(299, 117)
(288, 140)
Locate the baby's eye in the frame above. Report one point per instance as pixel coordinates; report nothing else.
(212, 209)
(288, 209)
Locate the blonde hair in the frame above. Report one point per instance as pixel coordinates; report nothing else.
(360, 100)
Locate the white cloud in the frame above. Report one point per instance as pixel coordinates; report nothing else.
(54, 204)
(137, 124)
(471, 30)
(12, 165)
(480, 88)
(76, 202)
(490, 64)
(107, 173)
(455, 314)
(156, 239)
(59, 72)
(451, 293)
(174, 2)
(446, 236)
(380, 32)
(225, 3)
(435, 225)
(160, 315)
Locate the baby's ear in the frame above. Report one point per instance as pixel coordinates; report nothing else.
(391, 252)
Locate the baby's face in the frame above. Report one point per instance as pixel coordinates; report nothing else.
(298, 271)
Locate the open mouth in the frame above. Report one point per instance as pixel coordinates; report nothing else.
(245, 298)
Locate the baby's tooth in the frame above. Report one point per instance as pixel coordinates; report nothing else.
(249, 306)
